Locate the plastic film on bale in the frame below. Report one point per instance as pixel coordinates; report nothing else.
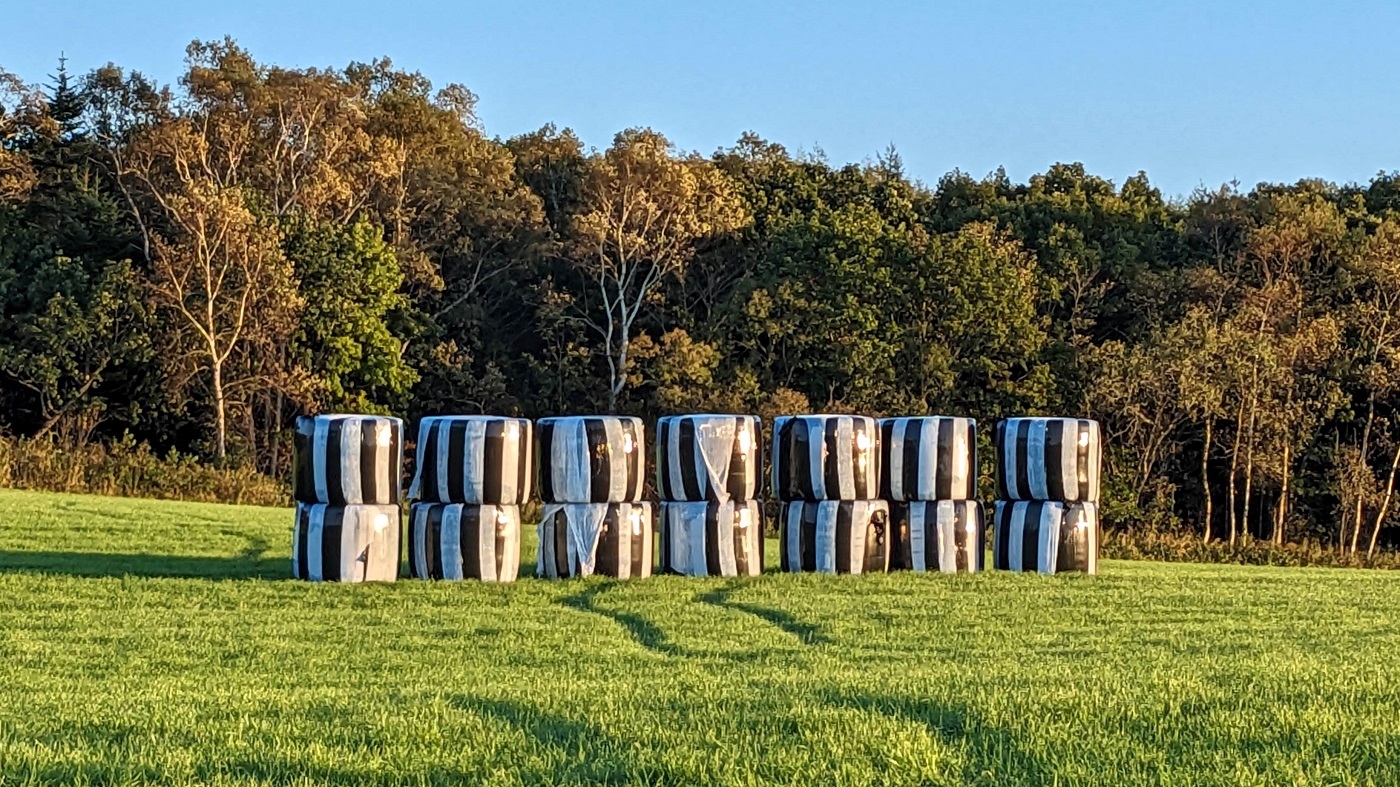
(1046, 537)
(474, 460)
(355, 543)
(583, 539)
(712, 538)
(826, 457)
(947, 536)
(928, 458)
(590, 459)
(834, 536)
(708, 457)
(1050, 459)
(348, 460)
(454, 541)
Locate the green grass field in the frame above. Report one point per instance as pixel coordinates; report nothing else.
(150, 642)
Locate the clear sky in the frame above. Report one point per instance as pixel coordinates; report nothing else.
(1194, 93)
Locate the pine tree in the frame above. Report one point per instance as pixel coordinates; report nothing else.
(66, 104)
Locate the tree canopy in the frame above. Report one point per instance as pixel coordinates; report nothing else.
(194, 265)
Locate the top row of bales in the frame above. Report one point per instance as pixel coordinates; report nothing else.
(494, 460)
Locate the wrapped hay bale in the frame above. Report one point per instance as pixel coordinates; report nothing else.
(348, 460)
(944, 535)
(357, 543)
(581, 539)
(928, 458)
(826, 457)
(712, 539)
(834, 536)
(708, 457)
(590, 459)
(454, 541)
(1054, 459)
(473, 459)
(1047, 537)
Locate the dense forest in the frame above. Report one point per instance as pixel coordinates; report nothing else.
(193, 266)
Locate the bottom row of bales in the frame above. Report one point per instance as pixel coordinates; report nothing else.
(455, 541)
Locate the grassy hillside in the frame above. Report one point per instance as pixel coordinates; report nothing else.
(144, 641)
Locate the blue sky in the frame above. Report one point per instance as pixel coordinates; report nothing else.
(1195, 93)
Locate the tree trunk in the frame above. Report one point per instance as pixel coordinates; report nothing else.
(1249, 458)
(1282, 513)
(1234, 474)
(1365, 462)
(220, 412)
(1385, 505)
(1205, 481)
(250, 428)
(275, 424)
(619, 376)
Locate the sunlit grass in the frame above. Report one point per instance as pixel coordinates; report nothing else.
(162, 642)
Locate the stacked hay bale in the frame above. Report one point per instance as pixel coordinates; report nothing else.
(590, 473)
(826, 472)
(707, 473)
(1046, 516)
(346, 477)
(473, 472)
(929, 477)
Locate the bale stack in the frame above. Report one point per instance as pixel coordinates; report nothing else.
(707, 473)
(346, 477)
(826, 472)
(590, 473)
(1046, 516)
(929, 477)
(473, 472)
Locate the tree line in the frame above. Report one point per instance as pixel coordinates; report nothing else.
(195, 265)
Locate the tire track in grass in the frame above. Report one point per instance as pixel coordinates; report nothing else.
(806, 633)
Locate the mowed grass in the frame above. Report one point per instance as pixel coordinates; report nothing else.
(146, 642)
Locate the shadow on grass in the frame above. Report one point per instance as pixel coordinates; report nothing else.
(114, 752)
(807, 633)
(989, 751)
(249, 564)
(646, 633)
(583, 752)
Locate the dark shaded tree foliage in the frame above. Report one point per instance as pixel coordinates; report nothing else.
(194, 266)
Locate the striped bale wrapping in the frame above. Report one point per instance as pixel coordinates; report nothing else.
(454, 541)
(581, 539)
(826, 457)
(357, 543)
(590, 459)
(712, 539)
(928, 458)
(1054, 459)
(943, 535)
(1047, 537)
(473, 459)
(348, 460)
(708, 457)
(834, 536)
